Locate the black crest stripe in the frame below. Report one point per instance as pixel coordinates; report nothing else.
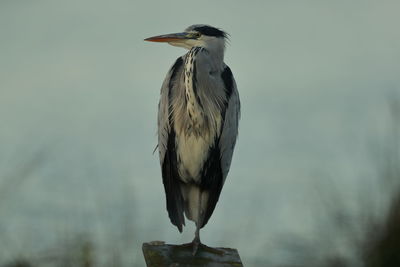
(210, 31)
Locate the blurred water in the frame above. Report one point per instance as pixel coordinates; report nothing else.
(78, 96)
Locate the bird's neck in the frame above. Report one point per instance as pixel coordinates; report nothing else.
(216, 49)
(194, 107)
(198, 99)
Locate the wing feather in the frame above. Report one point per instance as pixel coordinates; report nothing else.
(167, 150)
(219, 158)
(229, 133)
(164, 112)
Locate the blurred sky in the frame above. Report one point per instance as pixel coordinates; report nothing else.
(79, 88)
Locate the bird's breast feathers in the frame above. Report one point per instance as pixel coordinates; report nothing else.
(197, 117)
(192, 150)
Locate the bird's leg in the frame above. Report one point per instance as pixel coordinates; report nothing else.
(196, 241)
(198, 245)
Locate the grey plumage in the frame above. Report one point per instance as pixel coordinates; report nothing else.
(198, 118)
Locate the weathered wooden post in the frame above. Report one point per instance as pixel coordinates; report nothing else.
(159, 254)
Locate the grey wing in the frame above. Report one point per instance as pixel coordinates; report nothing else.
(163, 119)
(229, 132)
(219, 157)
(167, 151)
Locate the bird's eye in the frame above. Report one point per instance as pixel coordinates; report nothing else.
(196, 35)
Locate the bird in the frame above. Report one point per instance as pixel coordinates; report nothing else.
(198, 118)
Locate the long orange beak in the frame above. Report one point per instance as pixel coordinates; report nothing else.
(166, 38)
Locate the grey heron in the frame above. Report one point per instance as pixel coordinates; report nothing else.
(198, 117)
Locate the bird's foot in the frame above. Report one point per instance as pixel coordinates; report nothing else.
(197, 246)
(195, 243)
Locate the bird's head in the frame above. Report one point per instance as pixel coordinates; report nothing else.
(198, 35)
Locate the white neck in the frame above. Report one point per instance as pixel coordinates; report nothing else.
(214, 45)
